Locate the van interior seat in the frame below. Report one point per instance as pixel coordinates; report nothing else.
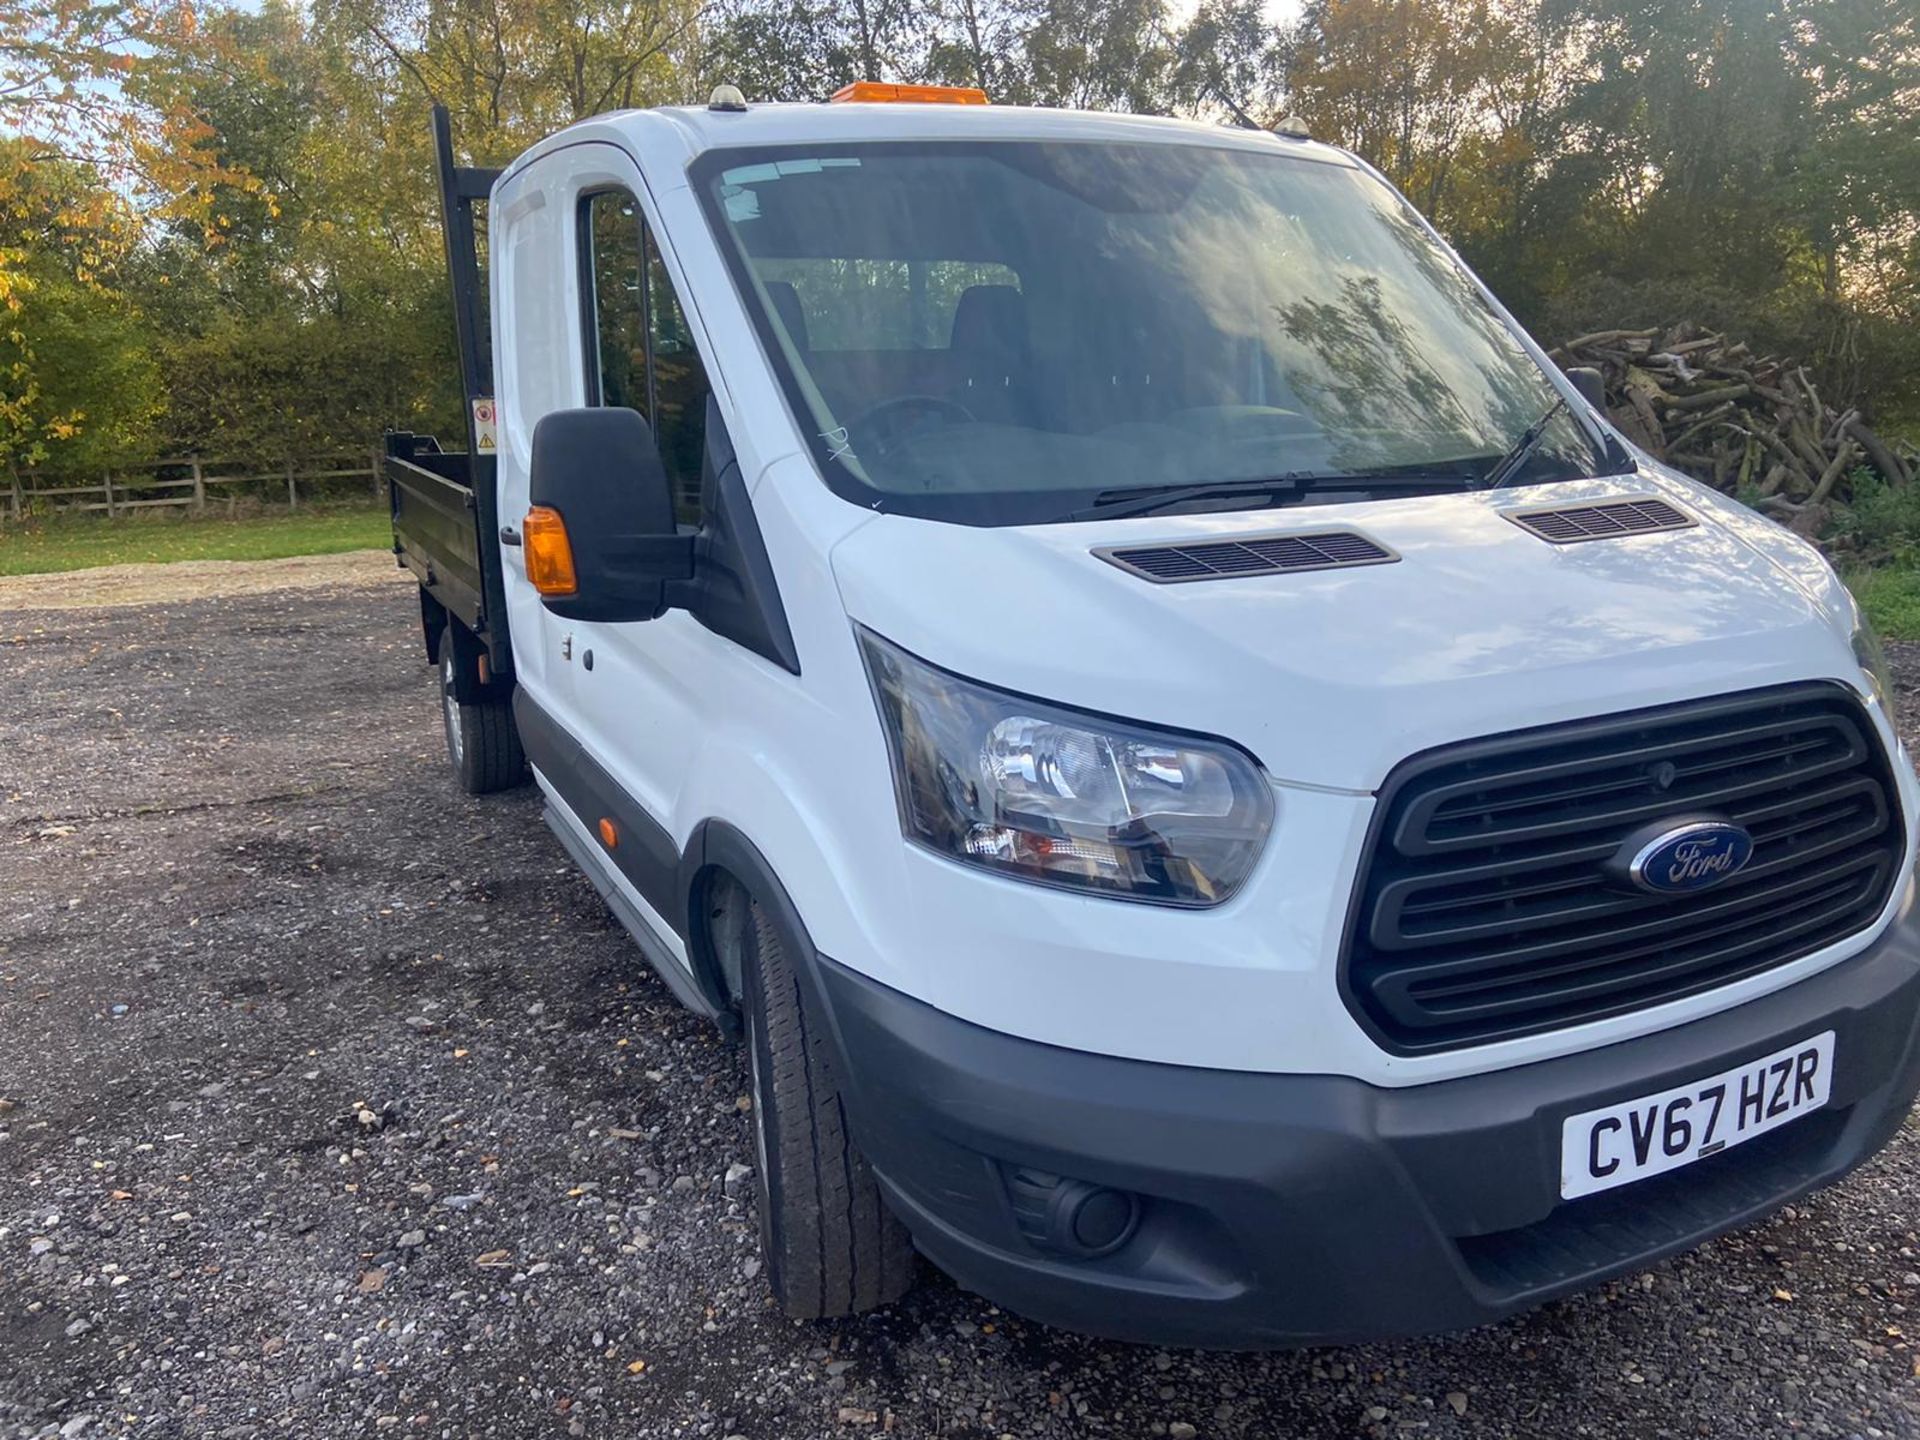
(992, 351)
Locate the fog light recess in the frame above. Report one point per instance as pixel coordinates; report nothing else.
(1072, 1218)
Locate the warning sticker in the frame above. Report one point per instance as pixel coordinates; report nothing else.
(486, 435)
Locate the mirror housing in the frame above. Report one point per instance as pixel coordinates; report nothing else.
(1591, 384)
(600, 470)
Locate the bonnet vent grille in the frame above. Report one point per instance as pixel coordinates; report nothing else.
(1258, 555)
(1567, 525)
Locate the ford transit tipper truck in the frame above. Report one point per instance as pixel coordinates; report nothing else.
(1225, 803)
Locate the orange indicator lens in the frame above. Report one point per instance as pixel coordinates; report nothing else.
(549, 553)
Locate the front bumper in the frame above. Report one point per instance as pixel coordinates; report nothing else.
(1280, 1210)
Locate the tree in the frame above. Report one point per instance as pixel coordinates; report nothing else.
(1860, 188)
(90, 84)
(240, 212)
(1100, 55)
(1230, 57)
(511, 71)
(792, 50)
(98, 134)
(1404, 83)
(984, 43)
(76, 366)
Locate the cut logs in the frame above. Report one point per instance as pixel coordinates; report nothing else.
(1753, 426)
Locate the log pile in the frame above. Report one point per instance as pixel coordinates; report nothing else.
(1751, 425)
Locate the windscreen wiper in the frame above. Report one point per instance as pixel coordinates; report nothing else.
(1113, 504)
(1511, 463)
(1116, 504)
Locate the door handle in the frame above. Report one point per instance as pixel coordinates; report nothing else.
(509, 535)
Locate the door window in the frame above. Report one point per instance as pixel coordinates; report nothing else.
(679, 390)
(643, 352)
(617, 368)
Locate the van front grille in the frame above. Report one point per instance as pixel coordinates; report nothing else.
(1491, 907)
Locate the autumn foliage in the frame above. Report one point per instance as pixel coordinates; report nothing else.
(217, 231)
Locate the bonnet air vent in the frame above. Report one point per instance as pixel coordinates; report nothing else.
(1566, 525)
(1257, 555)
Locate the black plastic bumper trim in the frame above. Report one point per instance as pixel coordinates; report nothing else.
(645, 853)
(1286, 1210)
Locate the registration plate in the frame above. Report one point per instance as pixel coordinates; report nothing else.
(1637, 1139)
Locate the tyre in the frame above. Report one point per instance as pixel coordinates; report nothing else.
(483, 744)
(831, 1245)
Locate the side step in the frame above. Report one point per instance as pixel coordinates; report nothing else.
(659, 955)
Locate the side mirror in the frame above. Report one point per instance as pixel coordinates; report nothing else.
(1591, 384)
(613, 546)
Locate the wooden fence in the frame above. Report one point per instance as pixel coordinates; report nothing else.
(192, 483)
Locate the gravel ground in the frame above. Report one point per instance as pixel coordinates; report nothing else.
(144, 583)
(335, 1103)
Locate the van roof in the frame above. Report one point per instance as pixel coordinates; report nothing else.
(699, 129)
(774, 124)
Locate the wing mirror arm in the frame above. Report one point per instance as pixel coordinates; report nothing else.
(660, 557)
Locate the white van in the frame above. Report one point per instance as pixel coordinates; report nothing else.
(1228, 804)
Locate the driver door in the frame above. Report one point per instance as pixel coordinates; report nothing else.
(635, 693)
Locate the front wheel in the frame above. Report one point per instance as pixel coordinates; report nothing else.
(832, 1246)
(483, 743)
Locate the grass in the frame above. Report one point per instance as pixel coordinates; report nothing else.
(1891, 598)
(80, 543)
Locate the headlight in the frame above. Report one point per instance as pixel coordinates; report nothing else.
(1873, 663)
(1064, 798)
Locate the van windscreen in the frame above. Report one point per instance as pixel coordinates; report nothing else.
(1005, 332)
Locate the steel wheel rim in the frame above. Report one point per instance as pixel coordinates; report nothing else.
(456, 742)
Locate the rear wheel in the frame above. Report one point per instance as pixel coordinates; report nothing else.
(482, 743)
(832, 1247)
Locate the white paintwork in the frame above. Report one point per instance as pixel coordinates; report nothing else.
(1328, 678)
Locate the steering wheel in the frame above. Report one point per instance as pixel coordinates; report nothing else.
(887, 423)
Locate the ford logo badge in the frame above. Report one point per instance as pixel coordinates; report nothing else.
(1680, 857)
